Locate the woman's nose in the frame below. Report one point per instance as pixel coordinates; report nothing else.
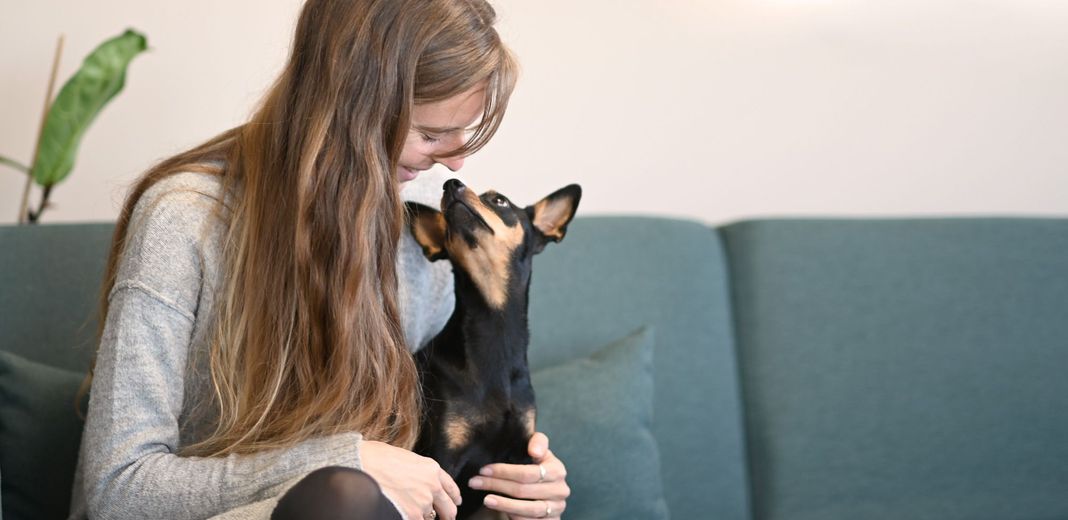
(453, 141)
(452, 163)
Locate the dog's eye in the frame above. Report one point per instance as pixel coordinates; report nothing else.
(500, 201)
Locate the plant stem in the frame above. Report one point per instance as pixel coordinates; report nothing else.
(34, 216)
(23, 213)
(14, 164)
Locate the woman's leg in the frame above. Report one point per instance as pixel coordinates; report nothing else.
(335, 493)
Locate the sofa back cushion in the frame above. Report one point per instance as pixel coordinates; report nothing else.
(39, 437)
(598, 412)
(51, 277)
(611, 275)
(904, 368)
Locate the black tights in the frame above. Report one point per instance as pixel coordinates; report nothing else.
(335, 493)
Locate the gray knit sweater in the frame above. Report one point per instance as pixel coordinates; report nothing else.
(151, 370)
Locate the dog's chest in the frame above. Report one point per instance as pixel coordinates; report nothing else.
(470, 404)
(493, 414)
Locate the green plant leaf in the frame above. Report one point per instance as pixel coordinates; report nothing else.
(101, 76)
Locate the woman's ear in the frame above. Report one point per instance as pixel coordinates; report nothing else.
(428, 228)
(551, 215)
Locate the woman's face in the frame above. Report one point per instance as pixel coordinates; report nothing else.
(438, 128)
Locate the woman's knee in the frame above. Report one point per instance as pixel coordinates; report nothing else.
(335, 492)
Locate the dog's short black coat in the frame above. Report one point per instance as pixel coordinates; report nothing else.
(479, 400)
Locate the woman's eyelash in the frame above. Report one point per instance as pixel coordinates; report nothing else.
(429, 139)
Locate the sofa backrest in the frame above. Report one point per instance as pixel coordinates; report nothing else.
(611, 275)
(888, 368)
(904, 368)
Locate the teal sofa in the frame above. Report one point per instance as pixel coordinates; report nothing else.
(801, 369)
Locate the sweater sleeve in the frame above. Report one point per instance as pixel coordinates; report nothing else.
(131, 436)
(131, 470)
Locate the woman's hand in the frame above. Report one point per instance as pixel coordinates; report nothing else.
(417, 484)
(544, 497)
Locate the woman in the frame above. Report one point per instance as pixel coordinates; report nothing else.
(261, 303)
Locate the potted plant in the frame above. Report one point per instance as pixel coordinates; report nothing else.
(65, 120)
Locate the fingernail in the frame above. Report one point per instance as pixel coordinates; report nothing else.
(490, 501)
(475, 482)
(539, 451)
(486, 471)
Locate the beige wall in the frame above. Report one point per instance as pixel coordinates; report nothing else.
(712, 110)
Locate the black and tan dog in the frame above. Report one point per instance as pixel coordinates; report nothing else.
(479, 400)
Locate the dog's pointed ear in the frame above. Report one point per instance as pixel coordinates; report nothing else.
(551, 215)
(428, 228)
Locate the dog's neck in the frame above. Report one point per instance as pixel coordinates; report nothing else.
(486, 341)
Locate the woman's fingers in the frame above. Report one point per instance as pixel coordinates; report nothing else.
(416, 484)
(544, 490)
(525, 508)
(450, 487)
(444, 505)
(528, 473)
(522, 473)
(525, 481)
(446, 494)
(538, 446)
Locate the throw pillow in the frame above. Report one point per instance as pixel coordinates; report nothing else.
(40, 435)
(598, 413)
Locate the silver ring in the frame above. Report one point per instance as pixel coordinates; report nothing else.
(431, 515)
(542, 469)
(548, 509)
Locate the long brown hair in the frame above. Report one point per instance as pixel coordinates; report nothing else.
(307, 339)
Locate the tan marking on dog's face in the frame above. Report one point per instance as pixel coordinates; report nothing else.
(488, 263)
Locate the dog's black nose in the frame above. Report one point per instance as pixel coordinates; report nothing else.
(453, 185)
